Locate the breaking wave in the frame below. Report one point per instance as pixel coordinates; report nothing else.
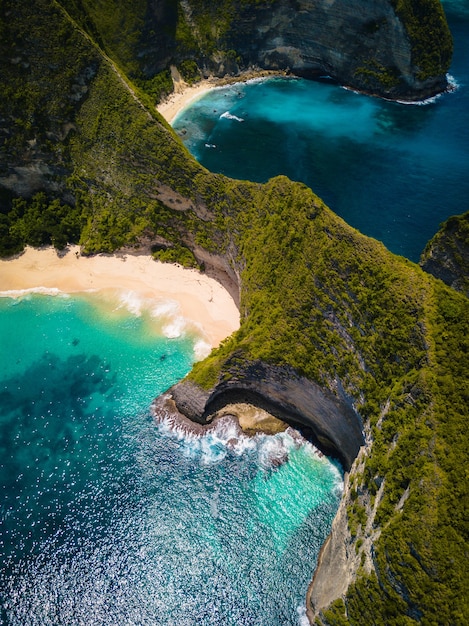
(229, 116)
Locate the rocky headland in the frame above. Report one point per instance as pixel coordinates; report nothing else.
(446, 255)
(329, 422)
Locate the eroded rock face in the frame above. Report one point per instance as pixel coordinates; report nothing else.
(362, 44)
(330, 421)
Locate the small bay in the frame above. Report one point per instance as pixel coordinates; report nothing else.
(106, 513)
(394, 171)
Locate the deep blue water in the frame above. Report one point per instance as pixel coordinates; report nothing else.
(393, 171)
(107, 517)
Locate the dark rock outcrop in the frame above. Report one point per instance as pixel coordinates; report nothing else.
(393, 50)
(446, 255)
(330, 422)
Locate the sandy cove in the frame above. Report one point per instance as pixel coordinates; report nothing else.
(184, 93)
(183, 96)
(201, 300)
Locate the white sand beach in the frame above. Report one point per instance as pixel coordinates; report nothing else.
(200, 300)
(184, 93)
(182, 96)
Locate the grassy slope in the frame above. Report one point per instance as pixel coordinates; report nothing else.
(315, 295)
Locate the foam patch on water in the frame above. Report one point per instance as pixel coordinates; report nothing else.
(453, 85)
(229, 116)
(210, 444)
(302, 617)
(201, 349)
(174, 325)
(19, 293)
(175, 329)
(131, 301)
(165, 308)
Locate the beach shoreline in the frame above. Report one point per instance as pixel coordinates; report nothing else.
(199, 299)
(184, 93)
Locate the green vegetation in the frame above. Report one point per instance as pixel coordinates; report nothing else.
(176, 254)
(158, 87)
(316, 295)
(39, 222)
(373, 71)
(115, 26)
(432, 45)
(189, 71)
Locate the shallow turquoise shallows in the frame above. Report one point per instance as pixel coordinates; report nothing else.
(109, 518)
(393, 171)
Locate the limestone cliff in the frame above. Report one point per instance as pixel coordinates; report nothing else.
(382, 47)
(328, 420)
(399, 49)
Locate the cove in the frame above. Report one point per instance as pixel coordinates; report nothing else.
(393, 171)
(106, 513)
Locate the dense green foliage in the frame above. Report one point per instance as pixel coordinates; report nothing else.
(315, 294)
(432, 45)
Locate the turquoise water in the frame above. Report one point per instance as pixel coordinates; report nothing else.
(110, 518)
(393, 171)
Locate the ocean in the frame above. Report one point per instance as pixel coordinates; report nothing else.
(108, 517)
(393, 171)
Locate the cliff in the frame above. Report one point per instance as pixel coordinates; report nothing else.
(398, 49)
(337, 334)
(327, 420)
(446, 255)
(383, 47)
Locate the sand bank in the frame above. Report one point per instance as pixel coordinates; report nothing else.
(200, 300)
(180, 98)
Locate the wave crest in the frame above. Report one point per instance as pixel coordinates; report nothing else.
(229, 116)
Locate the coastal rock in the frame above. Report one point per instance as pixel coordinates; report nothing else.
(330, 422)
(372, 45)
(446, 255)
(337, 556)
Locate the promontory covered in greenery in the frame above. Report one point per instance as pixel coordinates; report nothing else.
(363, 350)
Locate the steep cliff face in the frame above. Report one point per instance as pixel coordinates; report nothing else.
(330, 421)
(398, 49)
(446, 255)
(380, 47)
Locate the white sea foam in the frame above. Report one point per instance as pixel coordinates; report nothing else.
(46, 291)
(302, 617)
(273, 450)
(132, 302)
(201, 349)
(453, 85)
(229, 116)
(452, 82)
(165, 308)
(210, 444)
(175, 328)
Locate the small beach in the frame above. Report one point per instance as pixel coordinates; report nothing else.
(184, 93)
(200, 299)
(182, 96)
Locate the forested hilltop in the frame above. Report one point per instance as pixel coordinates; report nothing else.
(86, 158)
